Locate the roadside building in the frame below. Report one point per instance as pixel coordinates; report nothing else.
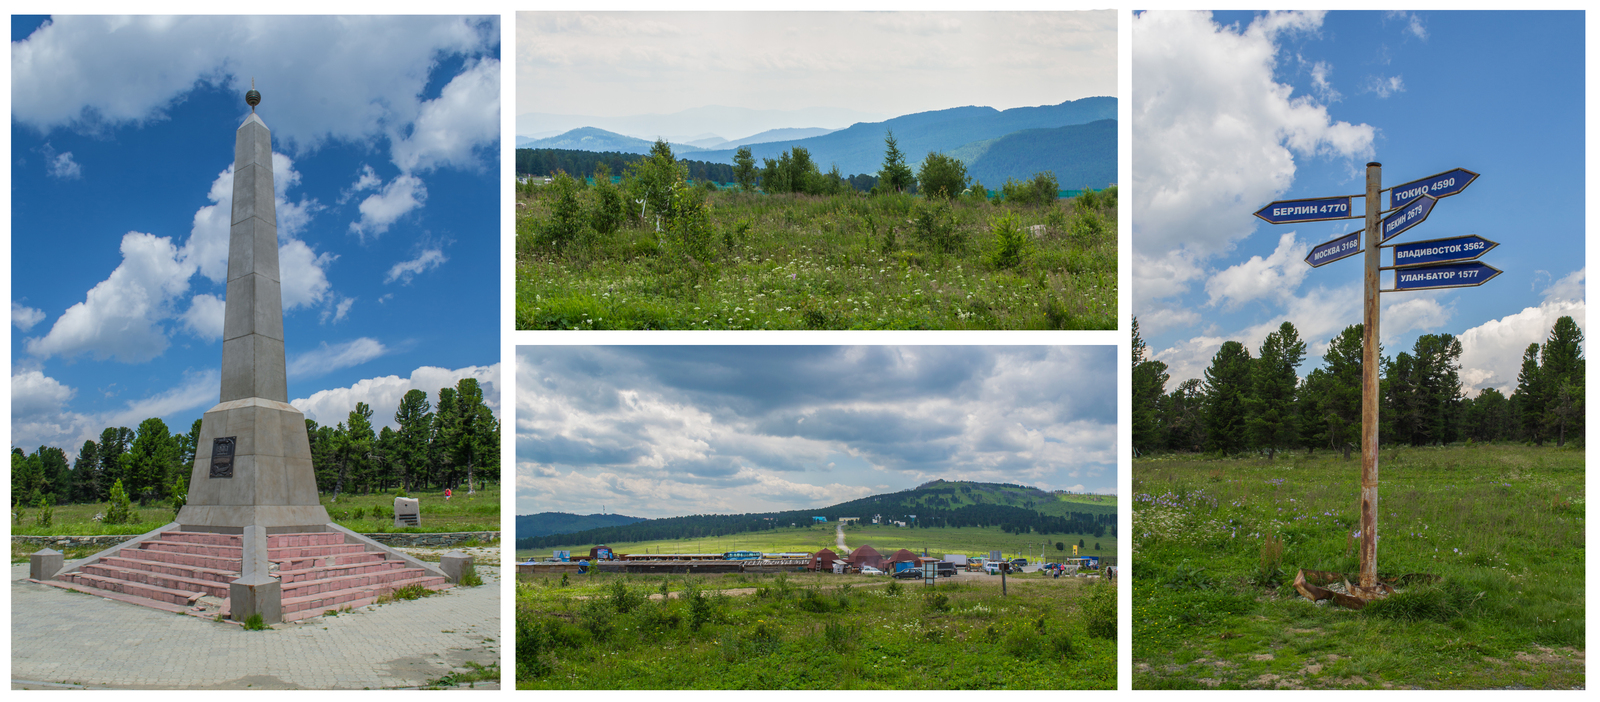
(822, 561)
(866, 556)
(901, 560)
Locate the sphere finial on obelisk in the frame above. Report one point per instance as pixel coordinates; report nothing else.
(253, 97)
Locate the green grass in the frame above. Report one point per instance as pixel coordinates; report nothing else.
(974, 541)
(809, 262)
(472, 674)
(813, 633)
(477, 512)
(1503, 527)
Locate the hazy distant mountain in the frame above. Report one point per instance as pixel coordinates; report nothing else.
(592, 139)
(789, 134)
(713, 119)
(547, 523)
(1081, 155)
(859, 148)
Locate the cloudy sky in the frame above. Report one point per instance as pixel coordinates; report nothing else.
(1234, 110)
(386, 157)
(890, 64)
(676, 430)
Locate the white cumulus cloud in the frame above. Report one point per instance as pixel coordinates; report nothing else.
(383, 394)
(326, 358)
(405, 270)
(1229, 136)
(24, 317)
(465, 116)
(1491, 353)
(205, 316)
(1274, 276)
(380, 210)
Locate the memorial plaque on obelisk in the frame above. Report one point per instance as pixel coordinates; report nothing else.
(265, 479)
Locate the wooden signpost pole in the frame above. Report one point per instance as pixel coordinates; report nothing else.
(1369, 386)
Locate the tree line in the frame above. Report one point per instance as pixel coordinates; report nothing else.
(1009, 518)
(436, 447)
(1259, 403)
(553, 161)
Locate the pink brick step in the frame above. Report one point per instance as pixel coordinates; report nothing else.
(315, 538)
(175, 583)
(348, 559)
(230, 565)
(136, 589)
(200, 537)
(318, 571)
(288, 552)
(193, 548)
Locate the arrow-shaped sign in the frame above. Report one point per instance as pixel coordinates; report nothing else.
(1342, 247)
(1442, 185)
(1407, 217)
(1454, 248)
(1448, 275)
(1311, 210)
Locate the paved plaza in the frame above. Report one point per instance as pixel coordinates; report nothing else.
(64, 638)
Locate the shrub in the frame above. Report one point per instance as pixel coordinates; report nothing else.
(1060, 644)
(610, 208)
(46, 510)
(121, 511)
(1011, 243)
(935, 228)
(894, 588)
(700, 607)
(1439, 602)
(1024, 642)
(688, 226)
(1100, 612)
(623, 599)
(836, 636)
(1269, 568)
(942, 176)
(469, 576)
(596, 617)
(936, 602)
(566, 224)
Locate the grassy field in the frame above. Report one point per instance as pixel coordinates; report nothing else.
(973, 541)
(813, 631)
(360, 513)
(838, 262)
(1503, 527)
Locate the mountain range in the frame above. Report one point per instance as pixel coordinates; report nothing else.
(688, 126)
(547, 523)
(1014, 508)
(1076, 139)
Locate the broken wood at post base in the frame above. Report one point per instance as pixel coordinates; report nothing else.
(1423, 265)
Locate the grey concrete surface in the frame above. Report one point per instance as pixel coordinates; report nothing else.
(65, 639)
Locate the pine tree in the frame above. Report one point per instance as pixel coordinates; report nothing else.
(1227, 386)
(1273, 378)
(895, 175)
(1149, 383)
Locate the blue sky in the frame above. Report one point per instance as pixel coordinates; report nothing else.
(675, 430)
(386, 155)
(1234, 110)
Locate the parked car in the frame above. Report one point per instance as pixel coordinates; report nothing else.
(869, 570)
(908, 574)
(1019, 562)
(992, 567)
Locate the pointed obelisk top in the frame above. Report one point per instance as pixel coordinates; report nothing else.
(253, 97)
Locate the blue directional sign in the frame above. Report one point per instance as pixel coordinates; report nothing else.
(1342, 247)
(1447, 275)
(1443, 185)
(1454, 248)
(1406, 217)
(1310, 210)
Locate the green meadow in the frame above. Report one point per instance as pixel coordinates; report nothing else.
(1216, 544)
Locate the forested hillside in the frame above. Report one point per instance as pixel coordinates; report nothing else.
(1013, 508)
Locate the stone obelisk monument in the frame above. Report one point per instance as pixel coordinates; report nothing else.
(252, 464)
(252, 507)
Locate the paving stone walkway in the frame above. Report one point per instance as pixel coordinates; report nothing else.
(61, 638)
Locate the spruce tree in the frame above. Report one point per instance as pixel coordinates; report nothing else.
(895, 175)
(1273, 378)
(1227, 386)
